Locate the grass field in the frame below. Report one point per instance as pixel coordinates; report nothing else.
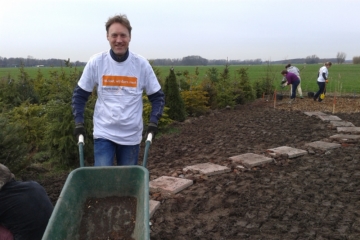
(344, 78)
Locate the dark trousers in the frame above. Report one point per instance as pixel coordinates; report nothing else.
(321, 90)
(293, 88)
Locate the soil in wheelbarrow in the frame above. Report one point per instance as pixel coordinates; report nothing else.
(111, 218)
(315, 196)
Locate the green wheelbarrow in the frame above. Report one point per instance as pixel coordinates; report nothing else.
(84, 183)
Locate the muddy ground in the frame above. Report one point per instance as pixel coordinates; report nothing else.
(316, 196)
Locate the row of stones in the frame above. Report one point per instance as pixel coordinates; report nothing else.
(172, 185)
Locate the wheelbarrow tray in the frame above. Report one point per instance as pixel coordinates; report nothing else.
(99, 182)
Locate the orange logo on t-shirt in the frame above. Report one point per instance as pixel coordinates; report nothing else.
(119, 81)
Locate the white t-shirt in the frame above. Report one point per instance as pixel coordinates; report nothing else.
(294, 70)
(321, 71)
(119, 107)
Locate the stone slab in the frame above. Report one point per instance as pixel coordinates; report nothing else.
(207, 169)
(250, 160)
(336, 124)
(168, 184)
(314, 113)
(353, 130)
(291, 152)
(153, 206)
(329, 118)
(345, 137)
(323, 145)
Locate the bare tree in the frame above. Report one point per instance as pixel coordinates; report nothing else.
(312, 59)
(340, 57)
(356, 60)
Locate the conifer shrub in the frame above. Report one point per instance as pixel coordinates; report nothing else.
(225, 94)
(32, 119)
(173, 98)
(196, 101)
(13, 149)
(244, 92)
(263, 86)
(210, 88)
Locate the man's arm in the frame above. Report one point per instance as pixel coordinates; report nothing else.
(157, 101)
(78, 102)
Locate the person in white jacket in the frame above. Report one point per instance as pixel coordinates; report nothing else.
(323, 75)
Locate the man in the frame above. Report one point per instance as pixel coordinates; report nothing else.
(120, 77)
(293, 80)
(296, 71)
(25, 208)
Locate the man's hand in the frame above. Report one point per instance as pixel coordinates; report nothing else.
(152, 128)
(326, 80)
(79, 130)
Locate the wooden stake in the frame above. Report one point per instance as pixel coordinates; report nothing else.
(334, 103)
(275, 98)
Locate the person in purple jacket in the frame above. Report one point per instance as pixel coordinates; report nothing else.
(291, 79)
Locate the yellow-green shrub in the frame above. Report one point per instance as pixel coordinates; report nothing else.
(196, 101)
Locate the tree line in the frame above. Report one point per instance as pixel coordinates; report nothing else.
(32, 62)
(193, 60)
(199, 61)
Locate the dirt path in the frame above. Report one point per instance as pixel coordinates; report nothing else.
(315, 196)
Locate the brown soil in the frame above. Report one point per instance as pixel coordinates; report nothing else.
(111, 218)
(315, 196)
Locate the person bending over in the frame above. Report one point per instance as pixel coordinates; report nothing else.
(293, 80)
(25, 208)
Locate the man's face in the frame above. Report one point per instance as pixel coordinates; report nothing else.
(119, 38)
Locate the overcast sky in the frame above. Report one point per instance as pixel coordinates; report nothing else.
(212, 29)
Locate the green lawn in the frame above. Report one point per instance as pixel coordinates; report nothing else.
(33, 71)
(344, 78)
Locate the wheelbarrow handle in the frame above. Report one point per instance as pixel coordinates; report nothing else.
(149, 137)
(81, 144)
(147, 146)
(81, 139)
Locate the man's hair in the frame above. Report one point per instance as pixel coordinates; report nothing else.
(328, 64)
(284, 72)
(122, 19)
(5, 175)
(289, 65)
